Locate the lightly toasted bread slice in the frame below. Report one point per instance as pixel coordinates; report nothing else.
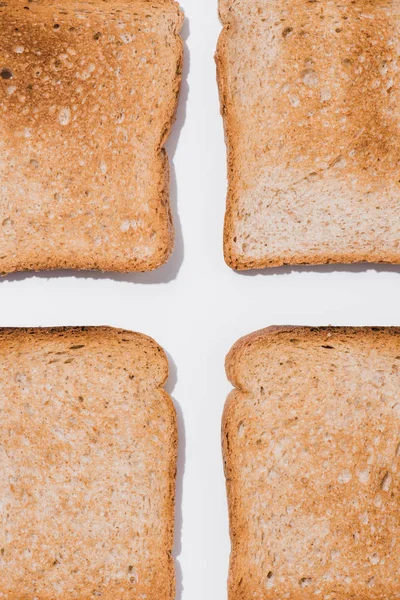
(88, 443)
(310, 96)
(311, 439)
(88, 92)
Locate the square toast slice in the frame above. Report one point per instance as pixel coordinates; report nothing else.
(88, 445)
(310, 97)
(311, 441)
(88, 92)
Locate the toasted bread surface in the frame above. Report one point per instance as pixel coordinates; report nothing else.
(311, 440)
(88, 92)
(310, 97)
(88, 443)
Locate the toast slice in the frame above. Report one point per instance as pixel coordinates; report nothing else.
(310, 97)
(88, 443)
(88, 92)
(311, 440)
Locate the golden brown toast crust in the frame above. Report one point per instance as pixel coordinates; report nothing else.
(309, 95)
(88, 443)
(88, 92)
(311, 441)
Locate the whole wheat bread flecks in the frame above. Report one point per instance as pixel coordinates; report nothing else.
(88, 445)
(311, 441)
(310, 97)
(88, 92)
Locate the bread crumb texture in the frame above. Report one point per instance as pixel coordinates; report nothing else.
(310, 97)
(311, 438)
(88, 92)
(88, 444)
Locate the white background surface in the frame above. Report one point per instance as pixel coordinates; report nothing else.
(196, 308)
